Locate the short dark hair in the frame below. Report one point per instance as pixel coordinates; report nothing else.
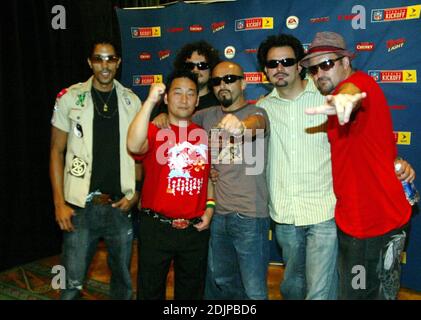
(203, 48)
(102, 41)
(182, 73)
(281, 40)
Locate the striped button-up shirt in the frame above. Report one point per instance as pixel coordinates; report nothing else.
(299, 166)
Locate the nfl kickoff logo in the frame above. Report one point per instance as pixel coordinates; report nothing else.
(240, 25)
(377, 15)
(375, 75)
(135, 33)
(137, 81)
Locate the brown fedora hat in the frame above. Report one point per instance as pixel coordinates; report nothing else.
(326, 42)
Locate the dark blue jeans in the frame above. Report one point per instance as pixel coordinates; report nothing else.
(91, 224)
(238, 258)
(369, 269)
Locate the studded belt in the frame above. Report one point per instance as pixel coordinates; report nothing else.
(176, 223)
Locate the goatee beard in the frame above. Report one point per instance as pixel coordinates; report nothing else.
(226, 102)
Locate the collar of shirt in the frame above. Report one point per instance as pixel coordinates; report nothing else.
(309, 89)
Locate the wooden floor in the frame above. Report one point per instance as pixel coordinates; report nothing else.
(99, 271)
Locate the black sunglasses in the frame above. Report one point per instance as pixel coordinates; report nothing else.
(99, 58)
(287, 62)
(229, 78)
(199, 65)
(325, 66)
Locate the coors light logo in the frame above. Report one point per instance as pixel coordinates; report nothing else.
(218, 26)
(395, 44)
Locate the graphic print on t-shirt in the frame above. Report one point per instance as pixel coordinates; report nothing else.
(225, 148)
(231, 154)
(185, 161)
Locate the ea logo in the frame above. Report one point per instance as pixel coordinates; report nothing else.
(292, 22)
(230, 52)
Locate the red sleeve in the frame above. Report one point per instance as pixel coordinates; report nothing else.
(360, 80)
(152, 131)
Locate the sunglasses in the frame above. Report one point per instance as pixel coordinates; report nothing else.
(199, 65)
(287, 62)
(99, 58)
(325, 66)
(229, 78)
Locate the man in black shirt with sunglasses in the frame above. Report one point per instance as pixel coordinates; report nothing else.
(200, 58)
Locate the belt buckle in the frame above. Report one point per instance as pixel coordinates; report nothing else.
(180, 224)
(101, 199)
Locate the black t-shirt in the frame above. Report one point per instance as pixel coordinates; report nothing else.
(106, 144)
(206, 101)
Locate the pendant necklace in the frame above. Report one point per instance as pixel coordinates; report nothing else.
(105, 103)
(105, 106)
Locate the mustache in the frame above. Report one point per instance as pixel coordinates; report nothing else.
(224, 90)
(281, 73)
(323, 79)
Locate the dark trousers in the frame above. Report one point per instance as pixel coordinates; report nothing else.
(159, 245)
(369, 269)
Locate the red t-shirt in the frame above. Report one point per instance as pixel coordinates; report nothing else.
(370, 198)
(176, 171)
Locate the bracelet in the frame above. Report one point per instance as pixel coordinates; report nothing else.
(210, 203)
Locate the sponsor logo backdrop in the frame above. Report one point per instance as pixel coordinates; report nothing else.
(383, 33)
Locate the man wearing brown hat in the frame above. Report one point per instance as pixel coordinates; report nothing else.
(302, 201)
(371, 212)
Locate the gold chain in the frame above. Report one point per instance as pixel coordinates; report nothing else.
(105, 105)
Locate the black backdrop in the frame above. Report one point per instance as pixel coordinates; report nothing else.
(36, 63)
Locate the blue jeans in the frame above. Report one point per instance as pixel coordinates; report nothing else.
(238, 258)
(79, 247)
(310, 254)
